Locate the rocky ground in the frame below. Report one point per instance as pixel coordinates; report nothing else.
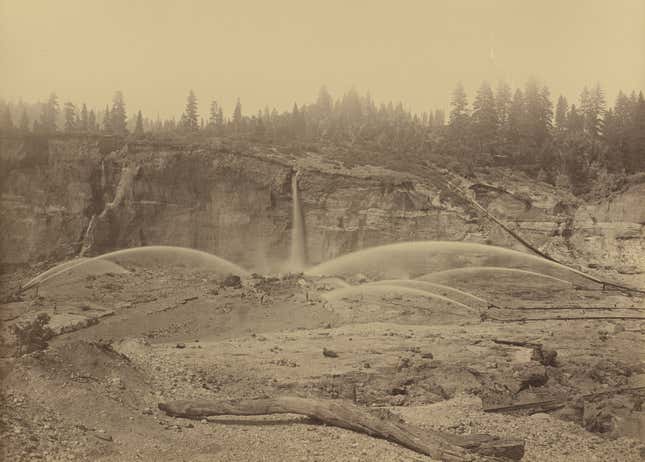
(125, 342)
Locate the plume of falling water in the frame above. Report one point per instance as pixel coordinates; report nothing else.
(298, 255)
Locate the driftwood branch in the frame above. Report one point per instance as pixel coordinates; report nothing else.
(574, 308)
(534, 407)
(571, 318)
(553, 404)
(344, 414)
(520, 343)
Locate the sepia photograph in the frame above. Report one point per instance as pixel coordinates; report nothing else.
(335, 231)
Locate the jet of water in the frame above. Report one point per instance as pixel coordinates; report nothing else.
(492, 273)
(386, 290)
(422, 257)
(154, 254)
(431, 287)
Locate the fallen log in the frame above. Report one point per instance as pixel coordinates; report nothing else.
(344, 414)
(614, 391)
(519, 343)
(554, 404)
(571, 318)
(573, 308)
(534, 407)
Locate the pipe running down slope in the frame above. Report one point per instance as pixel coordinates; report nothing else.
(530, 246)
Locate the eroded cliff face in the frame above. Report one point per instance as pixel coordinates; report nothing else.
(612, 232)
(49, 190)
(608, 234)
(69, 196)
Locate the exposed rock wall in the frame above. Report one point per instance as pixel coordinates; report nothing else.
(49, 192)
(612, 232)
(66, 196)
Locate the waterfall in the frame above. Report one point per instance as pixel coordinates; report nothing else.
(298, 257)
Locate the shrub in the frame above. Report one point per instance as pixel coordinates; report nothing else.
(33, 336)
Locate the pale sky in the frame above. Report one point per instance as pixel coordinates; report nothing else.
(277, 52)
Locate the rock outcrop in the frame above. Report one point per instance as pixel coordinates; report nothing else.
(67, 196)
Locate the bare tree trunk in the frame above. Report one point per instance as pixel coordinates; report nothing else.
(344, 414)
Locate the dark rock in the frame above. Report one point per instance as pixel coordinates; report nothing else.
(618, 328)
(404, 363)
(397, 400)
(181, 345)
(233, 281)
(618, 416)
(397, 391)
(329, 353)
(103, 436)
(532, 375)
(545, 356)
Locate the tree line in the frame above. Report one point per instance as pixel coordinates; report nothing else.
(569, 144)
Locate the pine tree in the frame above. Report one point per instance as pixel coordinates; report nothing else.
(214, 116)
(220, 117)
(538, 114)
(324, 103)
(260, 128)
(298, 122)
(575, 120)
(561, 110)
(516, 120)
(24, 122)
(138, 129)
(592, 106)
(439, 118)
(484, 118)
(503, 100)
(428, 119)
(190, 118)
(6, 122)
(636, 151)
(69, 111)
(118, 117)
(616, 148)
(84, 122)
(618, 125)
(107, 120)
(458, 121)
(459, 104)
(546, 110)
(623, 110)
(49, 115)
(597, 113)
(91, 122)
(351, 107)
(237, 115)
